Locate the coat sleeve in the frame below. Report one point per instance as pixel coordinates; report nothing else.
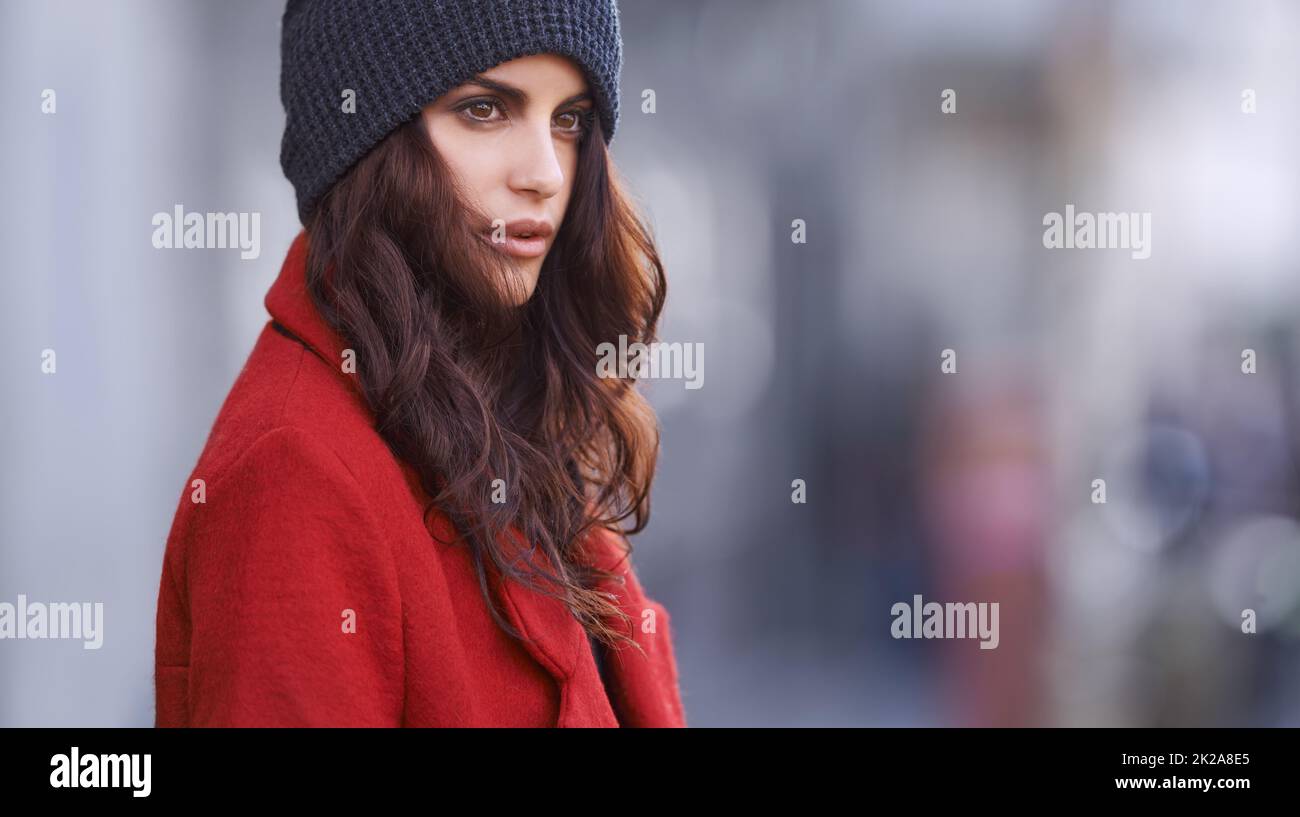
(295, 611)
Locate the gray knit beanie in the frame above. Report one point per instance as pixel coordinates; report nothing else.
(397, 56)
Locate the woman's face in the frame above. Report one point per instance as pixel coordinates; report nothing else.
(511, 136)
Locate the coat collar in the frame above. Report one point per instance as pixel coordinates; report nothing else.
(643, 686)
(290, 305)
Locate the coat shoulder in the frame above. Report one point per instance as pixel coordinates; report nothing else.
(285, 390)
(283, 479)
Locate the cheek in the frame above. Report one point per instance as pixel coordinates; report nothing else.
(570, 165)
(470, 161)
(475, 173)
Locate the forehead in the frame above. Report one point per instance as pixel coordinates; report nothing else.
(541, 75)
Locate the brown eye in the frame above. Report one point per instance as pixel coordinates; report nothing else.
(568, 121)
(480, 110)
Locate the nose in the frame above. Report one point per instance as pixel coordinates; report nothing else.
(535, 167)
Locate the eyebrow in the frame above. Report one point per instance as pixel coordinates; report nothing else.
(518, 95)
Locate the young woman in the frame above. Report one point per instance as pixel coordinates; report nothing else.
(411, 508)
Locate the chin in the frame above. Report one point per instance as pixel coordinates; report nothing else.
(525, 284)
(523, 290)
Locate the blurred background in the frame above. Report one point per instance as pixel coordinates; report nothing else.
(924, 233)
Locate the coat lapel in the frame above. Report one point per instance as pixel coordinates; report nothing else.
(557, 641)
(643, 684)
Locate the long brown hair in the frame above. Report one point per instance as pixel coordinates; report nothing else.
(468, 388)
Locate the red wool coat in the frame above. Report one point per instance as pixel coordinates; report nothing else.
(306, 515)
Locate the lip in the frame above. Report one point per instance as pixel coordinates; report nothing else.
(525, 238)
